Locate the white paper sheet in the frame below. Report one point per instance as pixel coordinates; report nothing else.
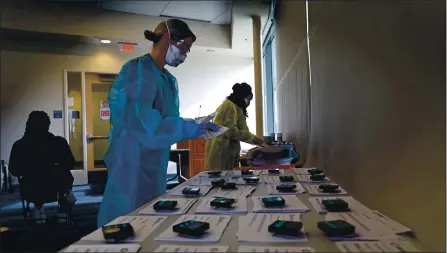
(218, 223)
(200, 181)
(293, 205)
(391, 224)
(183, 205)
(268, 179)
(382, 246)
(247, 248)
(205, 119)
(204, 207)
(187, 248)
(240, 180)
(306, 179)
(266, 172)
(254, 228)
(366, 229)
(130, 248)
(70, 101)
(271, 188)
(213, 134)
(177, 191)
(237, 173)
(313, 189)
(354, 205)
(142, 225)
(302, 171)
(205, 174)
(242, 191)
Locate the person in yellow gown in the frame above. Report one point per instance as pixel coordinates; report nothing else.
(222, 152)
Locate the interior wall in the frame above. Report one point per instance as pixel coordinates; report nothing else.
(377, 104)
(37, 83)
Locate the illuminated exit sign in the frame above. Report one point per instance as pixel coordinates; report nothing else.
(127, 47)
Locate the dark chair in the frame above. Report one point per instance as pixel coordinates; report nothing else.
(26, 210)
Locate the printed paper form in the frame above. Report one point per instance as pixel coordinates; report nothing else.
(246, 248)
(185, 248)
(218, 223)
(240, 207)
(354, 205)
(183, 205)
(254, 228)
(266, 172)
(205, 174)
(306, 179)
(142, 225)
(200, 181)
(293, 205)
(237, 173)
(382, 246)
(367, 229)
(131, 248)
(313, 189)
(241, 181)
(242, 191)
(177, 191)
(268, 179)
(301, 171)
(271, 188)
(391, 224)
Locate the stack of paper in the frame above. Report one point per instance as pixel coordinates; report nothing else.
(266, 172)
(391, 224)
(218, 223)
(268, 179)
(205, 174)
(306, 179)
(365, 228)
(177, 191)
(187, 248)
(273, 191)
(302, 171)
(313, 189)
(242, 191)
(254, 228)
(382, 246)
(183, 205)
(143, 226)
(247, 248)
(237, 173)
(293, 205)
(354, 205)
(131, 248)
(240, 207)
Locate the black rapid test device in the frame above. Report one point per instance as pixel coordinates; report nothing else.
(286, 228)
(218, 182)
(191, 191)
(273, 202)
(251, 180)
(335, 205)
(317, 177)
(228, 186)
(329, 188)
(117, 232)
(314, 171)
(286, 188)
(246, 172)
(286, 179)
(274, 171)
(222, 203)
(336, 228)
(191, 228)
(165, 205)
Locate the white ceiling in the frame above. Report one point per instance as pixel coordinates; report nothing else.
(215, 12)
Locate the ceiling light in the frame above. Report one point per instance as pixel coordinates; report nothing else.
(106, 41)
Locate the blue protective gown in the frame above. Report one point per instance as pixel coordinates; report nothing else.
(144, 108)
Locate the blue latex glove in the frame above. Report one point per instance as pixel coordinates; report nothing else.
(202, 128)
(209, 126)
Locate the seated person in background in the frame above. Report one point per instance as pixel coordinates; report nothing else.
(222, 152)
(42, 162)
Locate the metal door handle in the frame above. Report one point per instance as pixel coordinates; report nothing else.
(91, 138)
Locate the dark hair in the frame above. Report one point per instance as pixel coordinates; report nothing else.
(240, 91)
(38, 122)
(177, 28)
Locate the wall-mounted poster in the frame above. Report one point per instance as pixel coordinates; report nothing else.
(104, 110)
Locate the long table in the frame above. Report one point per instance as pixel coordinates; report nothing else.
(316, 239)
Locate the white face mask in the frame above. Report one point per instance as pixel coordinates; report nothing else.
(173, 57)
(247, 101)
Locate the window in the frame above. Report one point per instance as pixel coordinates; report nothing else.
(269, 100)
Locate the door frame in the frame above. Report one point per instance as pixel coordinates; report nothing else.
(80, 176)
